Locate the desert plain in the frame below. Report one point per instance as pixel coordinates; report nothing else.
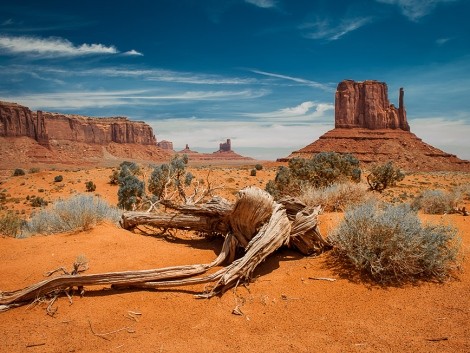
(293, 304)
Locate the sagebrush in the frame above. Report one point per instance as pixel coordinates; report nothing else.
(323, 169)
(80, 212)
(335, 197)
(10, 224)
(437, 201)
(391, 245)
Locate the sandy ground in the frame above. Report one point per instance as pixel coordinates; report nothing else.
(284, 309)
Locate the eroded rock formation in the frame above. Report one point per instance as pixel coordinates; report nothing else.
(72, 139)
(373, 130)
(97, 130)
(366, 105)
(16, 121)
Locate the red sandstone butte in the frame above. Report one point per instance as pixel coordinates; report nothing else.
(375, 131)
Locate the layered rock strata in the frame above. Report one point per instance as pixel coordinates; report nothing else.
(373, 130)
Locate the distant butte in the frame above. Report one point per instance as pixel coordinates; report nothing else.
(375, 131)
(225, 152)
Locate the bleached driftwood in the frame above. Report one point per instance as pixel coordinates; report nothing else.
(255, 222)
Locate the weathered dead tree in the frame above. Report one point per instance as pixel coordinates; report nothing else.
(255, 223)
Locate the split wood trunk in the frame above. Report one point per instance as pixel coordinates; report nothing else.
(255, 222)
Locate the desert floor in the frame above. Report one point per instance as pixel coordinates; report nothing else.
(284, 309)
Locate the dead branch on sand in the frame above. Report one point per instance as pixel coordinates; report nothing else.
(255, 222)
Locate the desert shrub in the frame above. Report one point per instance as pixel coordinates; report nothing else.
(80, 212)
(10, 224)
(18, 172)
(114, 177)
(131, 166)
(253, 172)
(90, 186)
(172, 175)
(437, 201)
(258, 167)
(335, 197)
(391, 245)
(131, 190)
(34, 170)
(384, 175)
(323, 169)
(58, 178)
(37, 201)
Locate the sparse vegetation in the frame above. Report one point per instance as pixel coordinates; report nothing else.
(131, 190)
(34, 170)
(389, 244)
(90, 186)
(384, 175)
(58, 178)
(335, 197)
(437, 201)
(18, 172)
(323, 169)
(253, 172)
(80, 212)
(37, 201)
(258, 167)
(10, 224)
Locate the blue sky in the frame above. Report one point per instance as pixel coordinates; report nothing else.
(261, 72)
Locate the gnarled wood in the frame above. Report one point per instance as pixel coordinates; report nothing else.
(256, 222)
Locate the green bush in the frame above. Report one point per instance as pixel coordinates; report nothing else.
(90, 186)
(10, 224)
(80, 212)
(258, 167)
(18, 172)
(253, 172)
(383, 176)
(323, 169)
(171, 176)
(131, 190)
(392, 246)
(437, 201)
(335, 197)
(58, 178)
(38, 201)
(114, 177)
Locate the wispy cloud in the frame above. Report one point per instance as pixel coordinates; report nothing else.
(265, 4)
(442, 41)
(295, 79)
(304, 112)
(133, 53)
(415, 9)
(100, 99)
(324, 29)
(50, 47)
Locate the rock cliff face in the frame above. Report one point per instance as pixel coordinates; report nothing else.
(97, 130)
(31, 138)
(16, 121)
(366, 105)
(373, 130)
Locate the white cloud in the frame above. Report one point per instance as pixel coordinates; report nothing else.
(323, 29)
(451, 136)
(253, 134)
(265, 4)
(50, 47)
(295, 79)
(304, 112)
(415, 9)
(133, 53)
(100, 99)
